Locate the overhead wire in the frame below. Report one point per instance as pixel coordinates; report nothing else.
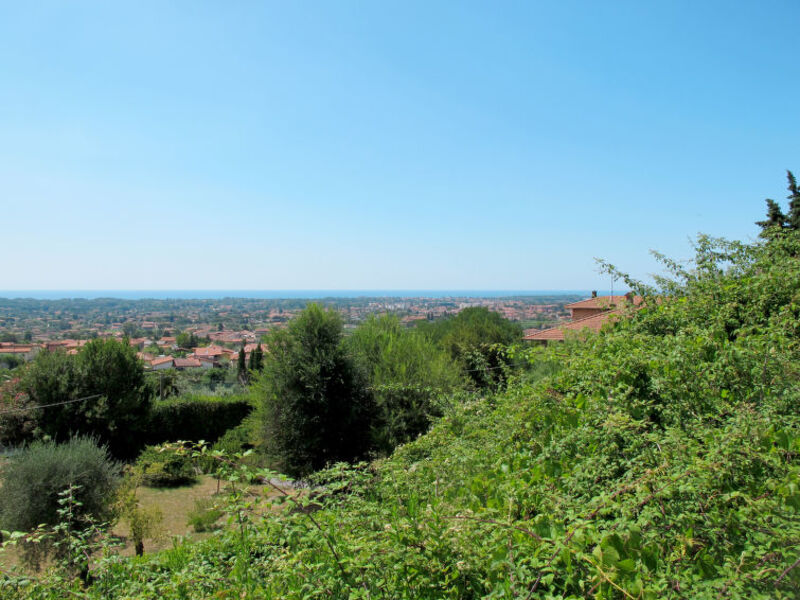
(27, 408)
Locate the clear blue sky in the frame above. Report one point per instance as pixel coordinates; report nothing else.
(384, 145)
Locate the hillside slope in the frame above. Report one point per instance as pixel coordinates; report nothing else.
(660, 461)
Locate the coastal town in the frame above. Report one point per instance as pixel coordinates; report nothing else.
(204, 334)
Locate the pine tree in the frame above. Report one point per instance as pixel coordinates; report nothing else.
(793, 218)
(776, 217)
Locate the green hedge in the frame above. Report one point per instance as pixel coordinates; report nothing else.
(195, 418)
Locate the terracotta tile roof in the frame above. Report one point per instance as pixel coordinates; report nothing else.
(15, 349)
(74, 343)
(209, 351)
(603, 302)
(161, 360)
(182, 363)
(593, 324)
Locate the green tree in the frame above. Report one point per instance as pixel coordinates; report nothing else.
(105, 387)
(314, 405)
(186, 340)
(256, 359)
(776, 218)
(253, 363)
(259, 358)
(241, 366)
(408, 374)
(793, 218)
(476, 337)
(111, 369)
(392, 354)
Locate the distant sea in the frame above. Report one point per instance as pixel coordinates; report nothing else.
(280, 294)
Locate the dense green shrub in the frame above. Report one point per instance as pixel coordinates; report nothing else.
(34, 478)
(165, 467)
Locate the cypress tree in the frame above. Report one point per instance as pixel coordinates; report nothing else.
(241, 367)
(253, 364)
(259, 353)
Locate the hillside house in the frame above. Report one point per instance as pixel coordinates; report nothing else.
(587, 315)
(211, 356)
(188, 363)
(162, 363)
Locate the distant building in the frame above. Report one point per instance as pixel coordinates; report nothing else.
(25, 351)
(587, 315)
(167, 342)
(187, 363)
(211, 356)
(162, 362)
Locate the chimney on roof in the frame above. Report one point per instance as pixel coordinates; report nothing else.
(594, 293)
(629, 297)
